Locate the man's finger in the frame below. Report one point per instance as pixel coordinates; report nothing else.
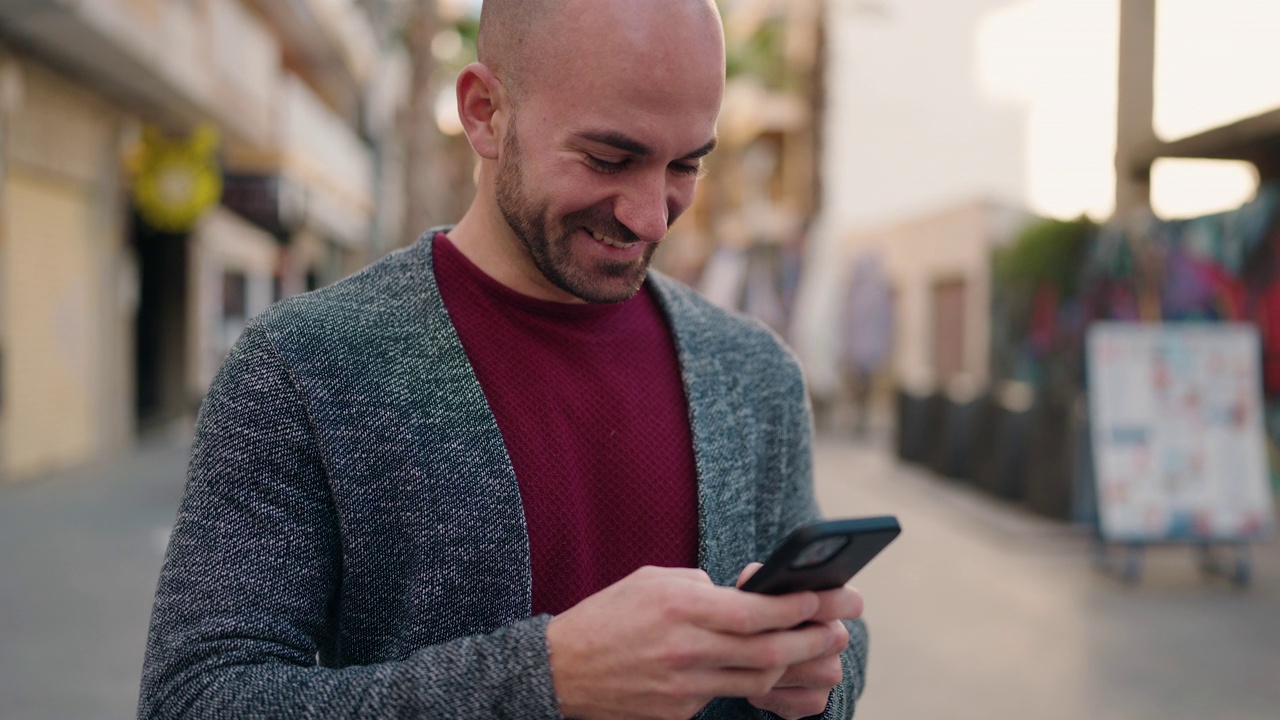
(741, 613)
(695, 574)
(778, 649)
(820, 672)
(747, 572)
(844, 603)
(793, 702)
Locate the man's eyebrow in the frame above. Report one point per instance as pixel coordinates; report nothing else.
(619, 141)
(635, 147)
(704, 150)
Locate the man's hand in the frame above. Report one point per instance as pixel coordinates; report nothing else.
(662, 642)
(805, 687)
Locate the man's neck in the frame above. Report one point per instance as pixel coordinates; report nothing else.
(484, 238)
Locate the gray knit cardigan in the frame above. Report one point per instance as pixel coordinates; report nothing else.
(351, 542)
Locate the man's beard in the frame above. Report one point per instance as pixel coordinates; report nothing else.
(552, 248)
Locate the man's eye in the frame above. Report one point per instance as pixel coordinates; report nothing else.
(687, 169)
(605, 166)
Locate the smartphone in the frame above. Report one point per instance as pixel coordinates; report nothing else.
(823, 555)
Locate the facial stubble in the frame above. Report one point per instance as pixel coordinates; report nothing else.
(551, 248)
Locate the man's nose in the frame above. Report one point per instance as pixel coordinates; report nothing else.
(645, 208)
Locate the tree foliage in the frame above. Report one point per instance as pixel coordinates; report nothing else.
(1047, 253)
(761, 56)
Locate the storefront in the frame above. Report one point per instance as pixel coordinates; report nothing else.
(66, 279)
(235, 270)
(125, 273)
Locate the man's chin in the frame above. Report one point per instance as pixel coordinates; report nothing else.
(609, 289)
(580, 271)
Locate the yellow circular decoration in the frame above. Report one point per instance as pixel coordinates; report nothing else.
(176, 180)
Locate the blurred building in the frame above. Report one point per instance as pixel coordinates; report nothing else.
(169, 168)
(762, 185)
(1253, 139)
(939, 267)
(909, 130)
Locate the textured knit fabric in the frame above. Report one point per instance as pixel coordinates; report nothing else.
(351, 542)
(592, 411)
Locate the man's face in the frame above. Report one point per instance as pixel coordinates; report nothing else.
(550, 240)
(595, 168)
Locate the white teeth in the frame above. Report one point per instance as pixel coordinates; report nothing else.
(610, 241)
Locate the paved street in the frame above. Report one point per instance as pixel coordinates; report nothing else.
(977, 611)
(81, 555)
(983, 611)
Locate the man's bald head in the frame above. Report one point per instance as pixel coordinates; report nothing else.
(519, 39)
(591, 119)
(508, 29)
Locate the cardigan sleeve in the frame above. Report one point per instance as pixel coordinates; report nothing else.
(787, 488)
(797, 466)
(795, 459)
(247, 602)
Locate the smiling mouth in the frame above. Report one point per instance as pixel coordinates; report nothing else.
(610, 241)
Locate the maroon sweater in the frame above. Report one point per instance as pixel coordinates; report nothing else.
(591, 406)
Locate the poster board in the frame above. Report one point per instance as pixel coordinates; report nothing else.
(1176, 420)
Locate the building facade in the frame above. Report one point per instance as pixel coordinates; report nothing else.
(1254, 139)
(888, 156)
(939, 269)
(168, 169)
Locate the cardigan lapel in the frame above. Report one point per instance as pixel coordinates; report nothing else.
(467, 430)
(721, 427)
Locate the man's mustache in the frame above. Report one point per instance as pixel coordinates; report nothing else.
(603, 223)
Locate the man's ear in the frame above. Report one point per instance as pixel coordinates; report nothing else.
(482, 107)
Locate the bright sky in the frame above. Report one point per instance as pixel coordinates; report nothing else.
(1215, 63)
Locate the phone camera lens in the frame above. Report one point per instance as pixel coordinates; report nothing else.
(819, 552)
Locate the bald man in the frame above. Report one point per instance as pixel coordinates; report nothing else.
(509, 471)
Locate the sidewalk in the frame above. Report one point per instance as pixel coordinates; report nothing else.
(82, 553)
(978, 610)
(981, 610)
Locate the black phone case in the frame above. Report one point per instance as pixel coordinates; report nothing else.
(788, 569)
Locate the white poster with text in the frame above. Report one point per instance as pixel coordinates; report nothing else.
(1176, 415)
